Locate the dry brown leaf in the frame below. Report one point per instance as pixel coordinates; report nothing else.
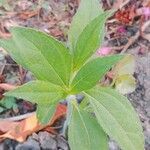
(7, 87)
(56, 32)
(4, 35)
(28, 14)
(21, 129)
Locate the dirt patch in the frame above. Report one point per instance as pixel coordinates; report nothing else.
(141, 97)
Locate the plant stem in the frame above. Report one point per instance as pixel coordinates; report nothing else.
(69, 112)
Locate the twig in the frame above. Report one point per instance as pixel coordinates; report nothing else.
(146, 36)
(134, 38)
(124, 3)
(6, 64)
(57, 127)
(18, 118)
(108, 3)
(118, 4)
(2, 68)
(130, 42)
(145, 25)
(117, 48)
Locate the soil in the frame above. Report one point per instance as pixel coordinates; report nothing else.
(141, 97)
(41, 140)
(54, 17)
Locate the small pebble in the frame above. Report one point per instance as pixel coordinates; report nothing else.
(30, 144)
(47, 142)
(62, 143)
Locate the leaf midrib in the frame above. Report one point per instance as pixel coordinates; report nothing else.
(55, 47)
(84, 77)
(43, 57)
(113, 118)
(84, 45)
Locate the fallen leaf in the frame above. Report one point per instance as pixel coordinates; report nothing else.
(7, 87)
(20, 130)
(56, 32)
(4, 35)
(123, 75)
(125, 66)
(28, 14)
(125, 84)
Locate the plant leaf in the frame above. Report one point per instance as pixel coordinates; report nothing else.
(85, 133)
(125, 84)
(125, 66)
(123, 80)
(8, 102)
(92, 72)
(44, 56)
(20, 130)
(1, 109)
(45, 113)
(39, 92)
(87, 11)
(117, 117)
(89, 40)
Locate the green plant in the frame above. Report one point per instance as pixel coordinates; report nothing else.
(7, 103)
(63, 72)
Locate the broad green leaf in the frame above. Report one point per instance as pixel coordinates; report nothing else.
(87, 11)
(89, 40)
(117, 117)
(39, 92)
(85, 133)
(92, 72)
(125, 66)
(45, 113)
(44, 56)
(125, 84)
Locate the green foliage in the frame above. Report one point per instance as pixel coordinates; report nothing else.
(85, 127)
(88, 10)
(61, 72)
(92, 72)
(45, 113)
(39, 92)
(117, 117)
(44, 56)
(89, 40)
(7, 103)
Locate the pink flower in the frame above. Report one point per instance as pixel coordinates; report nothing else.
(146, 11)
(104, 51)
(121, 29)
